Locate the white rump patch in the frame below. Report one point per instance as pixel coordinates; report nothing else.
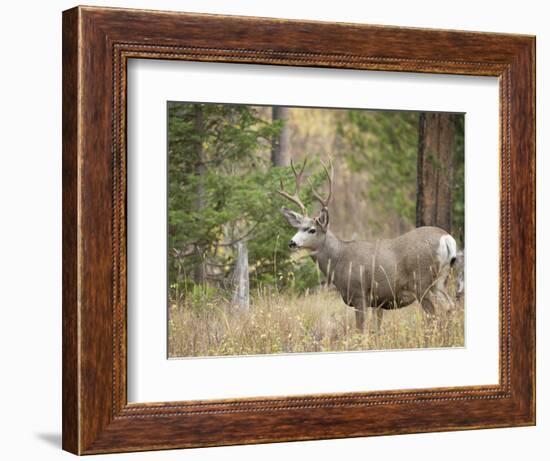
(446, 250)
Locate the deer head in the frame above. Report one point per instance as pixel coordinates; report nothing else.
(312, 232)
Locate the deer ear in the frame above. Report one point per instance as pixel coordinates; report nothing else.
(322, 219)
(293, 218)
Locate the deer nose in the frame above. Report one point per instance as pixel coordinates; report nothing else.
(292, 244)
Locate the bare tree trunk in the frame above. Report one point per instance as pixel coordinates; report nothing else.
(199, 273)
(280, 147)
(436, 142)
(240, 278)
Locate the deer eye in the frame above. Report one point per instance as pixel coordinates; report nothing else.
(311, 231)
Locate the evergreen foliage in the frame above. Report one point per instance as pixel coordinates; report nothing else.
(226, 196)
(384, 145)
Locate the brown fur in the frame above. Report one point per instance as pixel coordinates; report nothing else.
(386, 274)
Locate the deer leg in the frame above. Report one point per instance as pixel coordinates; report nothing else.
(379, 317)
(359, 319)
(440, 292)
(447, 303)
(428, 305)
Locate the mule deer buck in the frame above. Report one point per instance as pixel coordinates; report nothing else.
(386, 274)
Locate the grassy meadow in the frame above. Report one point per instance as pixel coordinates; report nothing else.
(319, 321)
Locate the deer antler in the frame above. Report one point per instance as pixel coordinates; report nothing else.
(330, 176)
(295, 198)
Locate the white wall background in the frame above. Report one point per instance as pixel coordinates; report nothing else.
(30, 227)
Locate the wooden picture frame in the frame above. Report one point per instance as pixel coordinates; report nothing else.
(97, 43)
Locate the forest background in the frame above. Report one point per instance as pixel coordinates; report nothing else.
(393, 171)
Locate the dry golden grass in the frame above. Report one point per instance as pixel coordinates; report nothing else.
(318, 322)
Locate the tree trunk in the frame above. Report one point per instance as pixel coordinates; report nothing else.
(199, 274)
(436, 141)
(240, 278)
(280, 145)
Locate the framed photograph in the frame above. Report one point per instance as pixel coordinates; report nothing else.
(284, 230)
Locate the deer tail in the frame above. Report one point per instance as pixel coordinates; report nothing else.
(450, 244)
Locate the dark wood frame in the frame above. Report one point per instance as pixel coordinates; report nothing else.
(97, 43)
